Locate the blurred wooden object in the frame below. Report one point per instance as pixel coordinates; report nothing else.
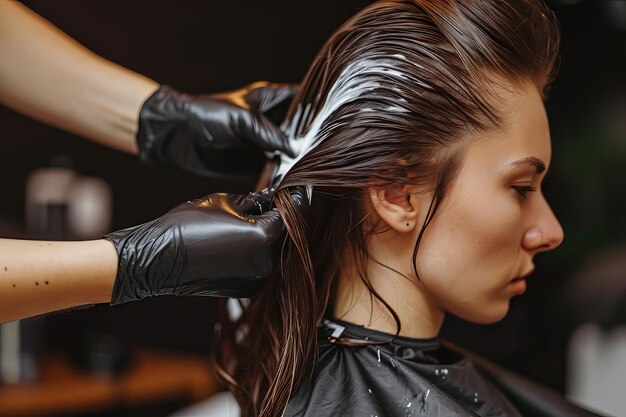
(153, 378)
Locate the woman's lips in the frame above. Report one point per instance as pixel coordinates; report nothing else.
(518, 285)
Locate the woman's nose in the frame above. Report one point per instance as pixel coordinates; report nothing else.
(545, 234)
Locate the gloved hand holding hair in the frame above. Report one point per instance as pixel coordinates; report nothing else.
(220, 245)
(185, 130)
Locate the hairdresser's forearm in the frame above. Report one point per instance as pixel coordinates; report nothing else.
(38, 277)
(47, 75)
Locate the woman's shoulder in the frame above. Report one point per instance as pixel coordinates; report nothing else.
(368, 381)
(529, 397)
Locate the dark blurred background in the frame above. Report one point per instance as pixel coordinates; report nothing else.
(207, 46)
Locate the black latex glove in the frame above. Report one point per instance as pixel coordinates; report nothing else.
(188, 130)
(221, 245)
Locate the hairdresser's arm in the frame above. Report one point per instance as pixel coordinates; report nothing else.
(47, 75)
(220, 245)
(38, 277)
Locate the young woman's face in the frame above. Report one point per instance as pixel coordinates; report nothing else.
(495, 219)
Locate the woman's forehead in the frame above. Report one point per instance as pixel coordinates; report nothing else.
(523, 135)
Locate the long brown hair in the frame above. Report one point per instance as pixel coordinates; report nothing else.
(438, 63)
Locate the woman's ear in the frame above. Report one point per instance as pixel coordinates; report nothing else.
(398, 205)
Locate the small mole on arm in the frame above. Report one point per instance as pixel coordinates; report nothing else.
(46, 282)
(6, 269)
(13, 285)
(36, 283)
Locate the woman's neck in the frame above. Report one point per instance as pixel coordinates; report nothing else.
(419, 315)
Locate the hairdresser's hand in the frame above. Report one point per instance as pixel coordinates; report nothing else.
(223, 245)
(185, 130)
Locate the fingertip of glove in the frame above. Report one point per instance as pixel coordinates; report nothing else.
(273, 139)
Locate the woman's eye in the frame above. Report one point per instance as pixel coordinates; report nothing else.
(523, 190)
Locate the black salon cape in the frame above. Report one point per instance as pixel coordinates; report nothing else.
(414, 377)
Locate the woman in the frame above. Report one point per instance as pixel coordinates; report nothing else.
(423, 142)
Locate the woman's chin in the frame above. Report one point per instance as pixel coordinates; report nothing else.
(486, 315)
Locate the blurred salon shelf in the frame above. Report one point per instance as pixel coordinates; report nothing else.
(154, 378)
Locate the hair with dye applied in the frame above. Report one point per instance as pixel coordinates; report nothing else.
(389, 99)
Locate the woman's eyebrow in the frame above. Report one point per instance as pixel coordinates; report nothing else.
(539, 165)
